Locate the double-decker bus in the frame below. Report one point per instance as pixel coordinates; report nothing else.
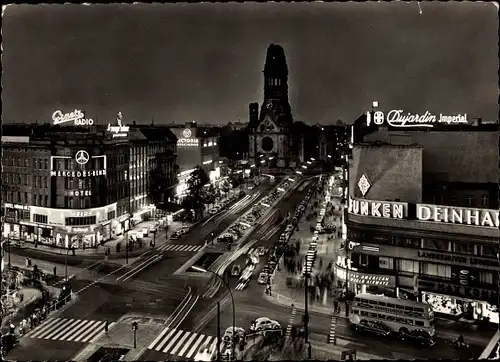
(400, 315)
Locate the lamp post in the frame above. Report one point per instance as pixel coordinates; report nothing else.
(218, 311)
(135, 327)
(306, 305)
(66, 265)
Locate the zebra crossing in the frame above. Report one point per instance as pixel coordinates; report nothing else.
(181, 343)
(290, 323)
(181, 248)
(72, 330)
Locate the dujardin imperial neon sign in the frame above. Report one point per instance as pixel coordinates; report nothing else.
(397, 118)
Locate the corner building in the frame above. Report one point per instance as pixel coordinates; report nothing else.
(75, 186)
(422, 218)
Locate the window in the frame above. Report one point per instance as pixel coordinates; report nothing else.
(408, 242)
(409, 266)
(454, 200)
(46, 200)
(385, 262)
(436, 244)
(80, 221)
(469, 199)
(464, 248)
(489, 250)
(41, 219)
(111, 215)
(486, 277)
(437, 270)
(419, 323)
(46, 164)
(26, 197)
(484, 200)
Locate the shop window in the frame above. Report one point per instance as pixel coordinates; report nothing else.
(464, 248)
(419, 323)
(80, 221)
(385, 262)
(489, 250)
(436, 244)
(408, 266)
(438, 270)
(486, 277)
(41, 219)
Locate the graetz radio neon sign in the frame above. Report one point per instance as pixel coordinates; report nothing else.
(76, 116)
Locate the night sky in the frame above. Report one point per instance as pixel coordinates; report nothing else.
(203, 62)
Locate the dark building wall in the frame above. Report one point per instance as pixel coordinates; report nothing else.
(394, 172)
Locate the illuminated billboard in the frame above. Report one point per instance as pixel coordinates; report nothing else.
(82, 159)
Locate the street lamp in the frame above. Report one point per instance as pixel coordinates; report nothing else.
(201, 270)
(66, 264)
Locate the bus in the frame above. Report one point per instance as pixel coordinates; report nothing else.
(400, 315)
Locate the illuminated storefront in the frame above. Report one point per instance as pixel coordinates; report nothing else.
(424, 213)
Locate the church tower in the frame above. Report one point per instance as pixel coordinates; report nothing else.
(270, 132)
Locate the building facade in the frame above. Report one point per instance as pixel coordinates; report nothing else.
(270, 130)
(196, 146)
(80, 185)
(422, 218)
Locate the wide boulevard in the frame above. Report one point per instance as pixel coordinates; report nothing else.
(144, 290)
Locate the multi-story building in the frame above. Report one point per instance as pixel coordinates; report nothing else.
(152, 169)
(77, 186)
(422, 217)
(196, 147)
(63, 186)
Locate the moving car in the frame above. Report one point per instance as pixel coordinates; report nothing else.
(261, 251)
(263, 278)
(289, 228)
(238, 331)
(418, 336)
(373, 327)
(264, 323)
(174, 236)
(153, 229)
(236, 271)
(184, 230)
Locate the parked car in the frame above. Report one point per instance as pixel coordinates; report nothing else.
(236, 270)
(263, 278)
(378, 328)
(261, 251)
(174, 236)
(153, 229)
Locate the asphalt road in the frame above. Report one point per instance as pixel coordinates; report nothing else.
(202, 320)
(101, 296)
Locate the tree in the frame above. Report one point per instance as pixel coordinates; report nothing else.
(196, 195)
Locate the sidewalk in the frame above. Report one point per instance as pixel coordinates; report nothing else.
(22, 309)
(321, 301)
(99, 252)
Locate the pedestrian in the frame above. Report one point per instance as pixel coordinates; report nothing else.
(12, 328)
(106, 327)
(30, 319)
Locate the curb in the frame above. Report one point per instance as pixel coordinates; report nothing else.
(298, 307)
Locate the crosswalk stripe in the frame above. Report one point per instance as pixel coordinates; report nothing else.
(49, 326)
(172, 341)
(73, 331)
(85, 330)
(70, 332)
(195, 346)
(97, 333)
(160, 336)
(184, 337)
(61, 328)
(160, 345)
(58, 334)
(186, 346)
